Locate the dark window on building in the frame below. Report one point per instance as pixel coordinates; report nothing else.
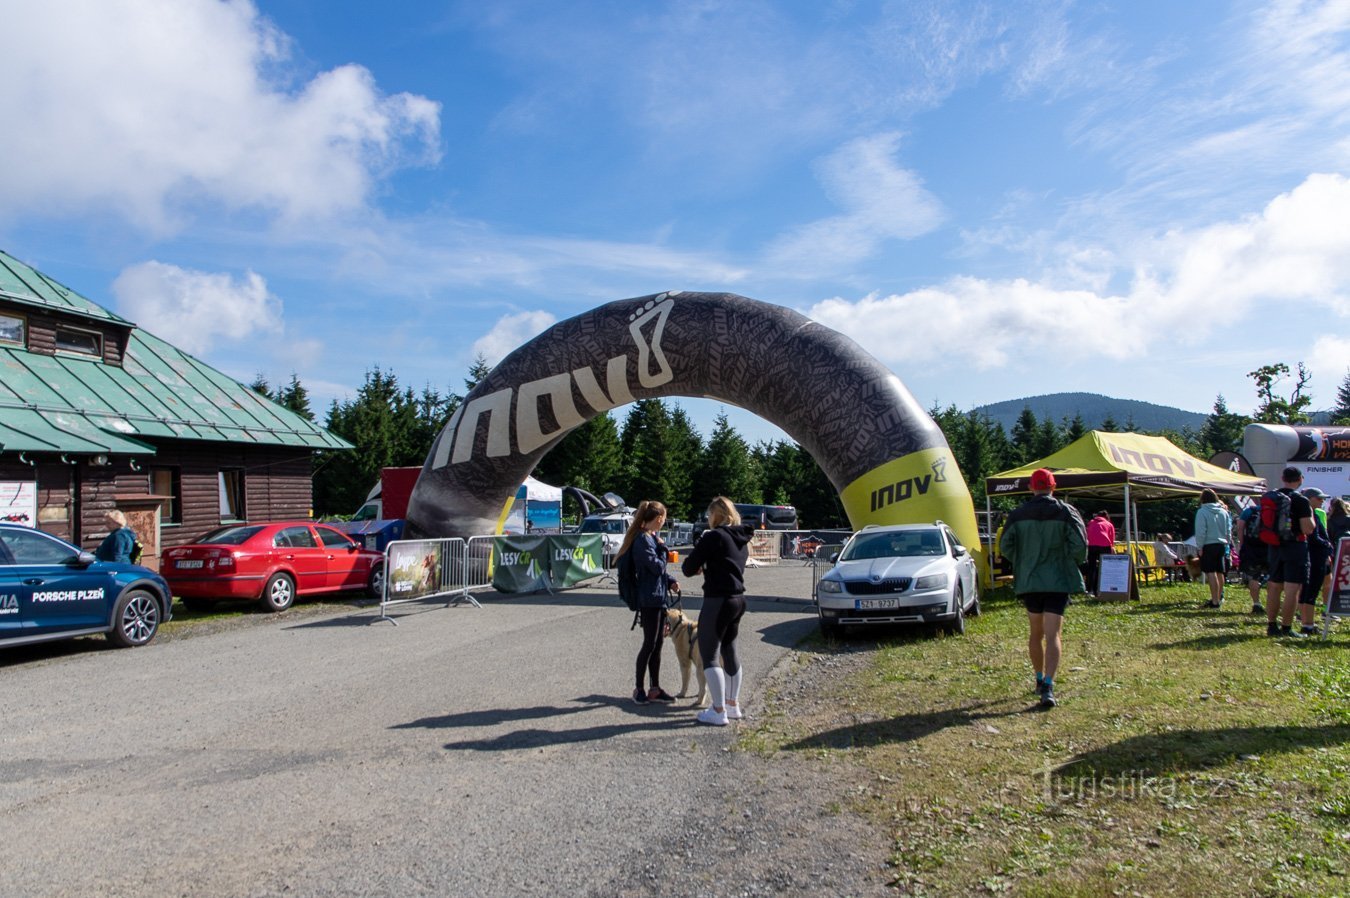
(12, 329)
(167, 482)
(232, 495)
(84, 342)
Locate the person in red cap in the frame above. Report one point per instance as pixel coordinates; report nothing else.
(1046, 542)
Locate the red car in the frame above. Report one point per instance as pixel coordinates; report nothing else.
(271, 563)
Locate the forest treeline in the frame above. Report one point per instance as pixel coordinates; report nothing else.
(651, 450)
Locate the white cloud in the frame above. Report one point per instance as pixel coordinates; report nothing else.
(149, 108)
(880, 201)
(194, 309)
(1296, 252)
(510, 332)
(1330, 357)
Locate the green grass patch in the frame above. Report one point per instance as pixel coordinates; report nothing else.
(1190, 754)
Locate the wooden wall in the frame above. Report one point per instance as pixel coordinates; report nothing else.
(277, 485)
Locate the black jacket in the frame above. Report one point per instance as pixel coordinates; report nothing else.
(720, 555)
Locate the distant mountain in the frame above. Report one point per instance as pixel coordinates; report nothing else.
(1095, 409)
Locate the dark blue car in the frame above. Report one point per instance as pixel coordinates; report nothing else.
(50, 589)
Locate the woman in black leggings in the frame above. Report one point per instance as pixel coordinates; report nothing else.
(720, 555)
(654, 587)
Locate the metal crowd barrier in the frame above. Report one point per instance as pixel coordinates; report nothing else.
(428, 569)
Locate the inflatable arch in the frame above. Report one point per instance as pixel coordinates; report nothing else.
(880, 449)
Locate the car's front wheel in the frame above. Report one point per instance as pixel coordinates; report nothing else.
(135, 619)
(957, 625)
(829, 628)
(375, 585)
(279, 593)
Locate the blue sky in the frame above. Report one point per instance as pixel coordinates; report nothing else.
(999, 199)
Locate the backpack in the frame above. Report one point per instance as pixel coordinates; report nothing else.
(1277, 523)
(626, 575)
(1251, 522)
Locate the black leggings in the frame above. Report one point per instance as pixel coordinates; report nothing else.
(653, 637)
(719, 622)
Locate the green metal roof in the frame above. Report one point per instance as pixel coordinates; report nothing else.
(69, 403)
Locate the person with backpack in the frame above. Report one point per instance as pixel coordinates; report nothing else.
(1046, 542)
(120, 541)
(642, 572)
(1213, 527)
(1319, 558)
(1286, 522)
(720, 555)
(1252, 553)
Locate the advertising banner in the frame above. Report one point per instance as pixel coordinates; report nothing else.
(1338, 597)
(520, 564)
(523, 564)
(574, 557)
(18, 502)
(414, 569)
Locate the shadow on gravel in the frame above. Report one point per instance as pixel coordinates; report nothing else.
(544, 738)
(650, 718)
(1163, 753)
(494, 716)
(905, 728)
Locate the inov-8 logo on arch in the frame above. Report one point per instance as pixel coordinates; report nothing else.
(522, 405)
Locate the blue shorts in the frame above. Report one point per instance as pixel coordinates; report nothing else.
(1288, 563)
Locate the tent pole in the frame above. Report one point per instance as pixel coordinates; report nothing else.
(989, 549)
(1129, 541)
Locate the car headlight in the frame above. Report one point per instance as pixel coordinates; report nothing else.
(831, 586)
(932, 581)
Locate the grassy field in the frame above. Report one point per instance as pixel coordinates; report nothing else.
(1189, 755)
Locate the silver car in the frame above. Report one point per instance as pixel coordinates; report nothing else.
(900, 574)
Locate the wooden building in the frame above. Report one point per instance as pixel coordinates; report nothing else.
(97, 414)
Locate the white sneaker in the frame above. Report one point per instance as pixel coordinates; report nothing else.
(712, 717)
(734, 711)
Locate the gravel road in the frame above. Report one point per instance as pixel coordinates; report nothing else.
(465, 752)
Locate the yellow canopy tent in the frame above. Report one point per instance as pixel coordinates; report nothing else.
(1126, 467)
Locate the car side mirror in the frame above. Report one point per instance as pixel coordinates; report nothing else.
(959, 551)
(84, 559)
(834, 558)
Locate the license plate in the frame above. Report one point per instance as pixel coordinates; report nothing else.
(189, 563)
(874, 604)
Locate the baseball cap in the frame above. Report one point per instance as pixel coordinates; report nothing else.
(1313, 492)
(1042, 479)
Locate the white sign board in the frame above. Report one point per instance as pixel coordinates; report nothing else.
(18, 502)
(1115, 576)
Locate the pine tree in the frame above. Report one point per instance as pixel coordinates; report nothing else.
(685, 457)
(1341, 413)
(1024, 436)
(295, 397)
(1222, 431)
(1076, 429)
(646, 450)
(260, 385)
(727, 469)
(478, 371)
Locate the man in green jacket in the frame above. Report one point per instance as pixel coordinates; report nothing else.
(1046, 542)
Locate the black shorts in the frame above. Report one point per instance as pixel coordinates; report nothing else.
(1253, 557)
(1214, 558)
(1289, 563)
(1045, 602)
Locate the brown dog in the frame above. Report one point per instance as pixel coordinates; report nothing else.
(683, 632)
